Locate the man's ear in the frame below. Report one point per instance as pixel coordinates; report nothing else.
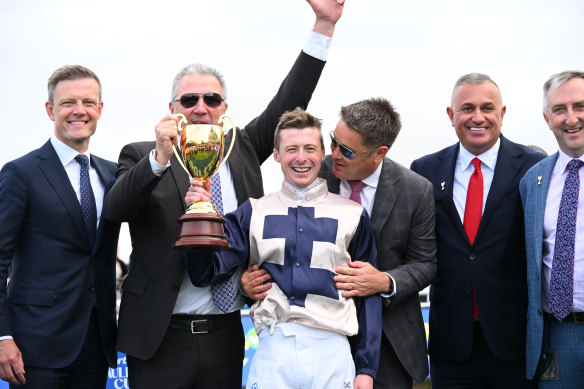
(276, 156)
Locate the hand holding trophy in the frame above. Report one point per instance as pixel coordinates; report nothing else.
(201, 146)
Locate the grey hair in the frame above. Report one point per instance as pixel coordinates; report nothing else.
(375, 119)
(473, 79)
(198, 68)
(556, 81)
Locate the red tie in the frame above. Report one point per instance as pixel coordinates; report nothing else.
(356, 186)
(473, 212)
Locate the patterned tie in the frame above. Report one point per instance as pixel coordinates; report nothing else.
(87, 199)
(223, 292)
(356, 186)
(473, 212)
(562, 279)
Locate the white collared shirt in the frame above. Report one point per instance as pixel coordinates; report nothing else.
(552, 208)
(67, 156)
(368, 191)
(464, 169)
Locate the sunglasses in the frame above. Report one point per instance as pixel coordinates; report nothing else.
(211, 100)
(347, 152)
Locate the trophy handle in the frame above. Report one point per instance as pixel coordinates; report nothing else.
(222, 122)
(181, 123)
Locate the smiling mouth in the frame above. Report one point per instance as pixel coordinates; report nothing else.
(77, 122)
(573, 130)
(301, 169)
(477, 128)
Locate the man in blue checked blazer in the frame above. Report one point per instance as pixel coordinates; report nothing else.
(553, 336)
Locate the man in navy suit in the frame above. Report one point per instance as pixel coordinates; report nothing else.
(555, 331)
(479, 299)
(57, 315)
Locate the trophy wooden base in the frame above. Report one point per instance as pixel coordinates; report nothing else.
(201, 232)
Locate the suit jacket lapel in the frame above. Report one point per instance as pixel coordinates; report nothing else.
(180, 177)
(508, 166)
(51, 167)
(445, 178)
(545, 171)
(107, 178)
(385, 196)
(237, 174)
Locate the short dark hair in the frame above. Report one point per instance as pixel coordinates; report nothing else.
(375, 119)
(67, 73)
(297, 119)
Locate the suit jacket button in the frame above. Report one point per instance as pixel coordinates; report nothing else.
(539, 312)
(91, 288)
(472, 256)
(467, 293)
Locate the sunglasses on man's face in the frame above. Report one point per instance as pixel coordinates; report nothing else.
(211, 100)
(347, 152)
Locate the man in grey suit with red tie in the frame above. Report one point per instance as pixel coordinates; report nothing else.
(174, 334)
(401, 208)
(553, 198)
(479, 299)
(57, 316)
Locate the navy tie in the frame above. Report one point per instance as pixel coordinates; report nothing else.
(562, 278)
(223, 292)
(87, 199)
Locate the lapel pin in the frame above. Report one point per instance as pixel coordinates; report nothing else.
(443, 184)
(539, 180)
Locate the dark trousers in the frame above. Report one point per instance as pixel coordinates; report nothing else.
(391, 373)
(88, 371)
(481, 371)
(184, 360)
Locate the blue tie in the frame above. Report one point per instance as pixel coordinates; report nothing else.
(562, 278)
(223, 292)
(87, 199)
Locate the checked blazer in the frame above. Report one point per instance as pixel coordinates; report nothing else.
(403, 224)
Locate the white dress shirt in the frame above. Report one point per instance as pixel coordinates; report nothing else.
(67, 157)
(464, 169)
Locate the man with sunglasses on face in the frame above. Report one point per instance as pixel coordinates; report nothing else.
(401, 207)
(174, 334)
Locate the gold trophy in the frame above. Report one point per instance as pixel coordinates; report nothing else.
(201, 145)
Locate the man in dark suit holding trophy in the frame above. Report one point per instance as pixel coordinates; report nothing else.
(173, 333)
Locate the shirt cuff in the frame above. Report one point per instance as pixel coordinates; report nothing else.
(157, 168)
(6, 337)
(317, 45)
(392, 289)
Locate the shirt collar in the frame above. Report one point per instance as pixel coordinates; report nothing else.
(312, 191)
(488, 158)
(371, 180)
(563, 160)
(65, 153)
